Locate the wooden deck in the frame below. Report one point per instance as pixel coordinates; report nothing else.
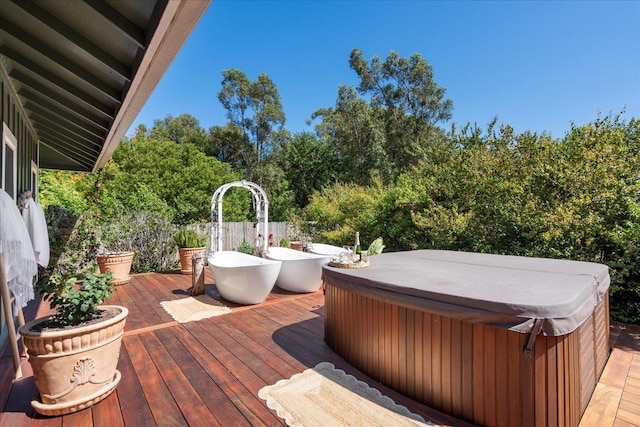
(208, 372)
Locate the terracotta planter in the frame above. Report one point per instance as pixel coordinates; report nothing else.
(74, 368)
(117, 263)
(185, 258)
(297, 245)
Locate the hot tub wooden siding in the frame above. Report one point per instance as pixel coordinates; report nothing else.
(474, 372)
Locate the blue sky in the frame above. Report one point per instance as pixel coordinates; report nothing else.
(537, 65)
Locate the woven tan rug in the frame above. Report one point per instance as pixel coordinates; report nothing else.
(194, 308)
(325, 396)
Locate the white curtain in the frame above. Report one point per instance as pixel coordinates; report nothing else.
(17, 251)
(34, 219)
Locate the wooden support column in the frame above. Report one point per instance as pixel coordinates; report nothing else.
(197, 274)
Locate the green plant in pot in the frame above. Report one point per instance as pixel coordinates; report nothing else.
(189, 243)
(74, 352)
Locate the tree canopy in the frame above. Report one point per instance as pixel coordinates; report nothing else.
(392, 123)
(255, 110)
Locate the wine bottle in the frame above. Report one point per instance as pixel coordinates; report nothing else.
(357, 249)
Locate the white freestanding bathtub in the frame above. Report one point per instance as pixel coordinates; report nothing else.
(300, 271)
(325, 249)
(243, 278)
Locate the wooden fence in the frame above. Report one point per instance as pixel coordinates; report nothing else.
(234, 233)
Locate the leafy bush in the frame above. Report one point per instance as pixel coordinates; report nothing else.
(60, 188)
(246, 248)
(341, 210)
(74, 253)
(148, 234)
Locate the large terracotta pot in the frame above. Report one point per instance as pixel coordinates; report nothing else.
(74, 368)
(117, 263)
(186, 254)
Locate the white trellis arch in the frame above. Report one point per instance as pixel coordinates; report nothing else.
(260, 205)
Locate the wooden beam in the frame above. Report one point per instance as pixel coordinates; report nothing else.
(72, 109)
(51, 78)
(66, 133)
(39, 115)
(119, 21)
(63, 116)
(72, 67)
(75, 37)
(99, 108)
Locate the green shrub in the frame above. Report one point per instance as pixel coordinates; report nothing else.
(246, 248)
(189, 238)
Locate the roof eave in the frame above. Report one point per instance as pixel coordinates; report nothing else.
(174, 27)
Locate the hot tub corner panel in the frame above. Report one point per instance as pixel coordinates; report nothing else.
(474, 372)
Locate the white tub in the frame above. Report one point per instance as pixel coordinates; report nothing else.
(325, 249)
(300, 272)
(243, 278)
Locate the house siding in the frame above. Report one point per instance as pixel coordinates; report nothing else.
(27, 141)
(27, 151)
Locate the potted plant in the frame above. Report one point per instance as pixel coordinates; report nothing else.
(74, 352)
(189, 243)
(115, 249)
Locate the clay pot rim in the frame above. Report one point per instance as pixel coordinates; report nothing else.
(25, 330)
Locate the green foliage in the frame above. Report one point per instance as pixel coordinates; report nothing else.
(279, 194)
(385, 133)
(189, 238)
(402, 85)
(308, 164)
(148, 234)
(76, 243)
(58, 188)
(161, 176)
(495, 191)
(255, 109)
(342, 209)
(246, 248)
(74, 303)
(184, 129)
(230, 145)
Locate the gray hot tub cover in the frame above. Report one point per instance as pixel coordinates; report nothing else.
(500, 290)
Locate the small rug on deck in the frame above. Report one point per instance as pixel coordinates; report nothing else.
(194, 308)
(326, 396)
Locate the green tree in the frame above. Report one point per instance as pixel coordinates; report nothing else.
(255, 109)
(275, 184)
(356, 136)
(183, 129)
(403, 87)
(342, 209)
(161, 173)
(228, 144)
(309, 163)
(385, 133)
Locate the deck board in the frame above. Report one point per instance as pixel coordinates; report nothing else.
(209, 372)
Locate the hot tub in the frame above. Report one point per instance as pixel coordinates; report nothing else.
(459, 332)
